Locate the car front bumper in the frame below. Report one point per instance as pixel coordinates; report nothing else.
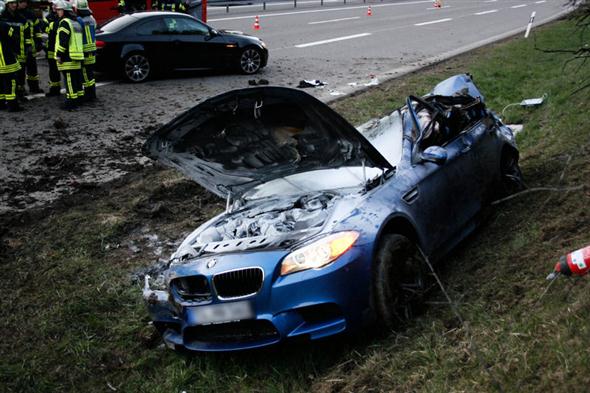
(311, 303)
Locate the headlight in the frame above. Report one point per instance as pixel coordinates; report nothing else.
(319, 253)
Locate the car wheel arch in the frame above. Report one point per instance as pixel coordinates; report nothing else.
(130, 48)
(400, 225)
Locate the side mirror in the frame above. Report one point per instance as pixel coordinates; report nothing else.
(435, 154)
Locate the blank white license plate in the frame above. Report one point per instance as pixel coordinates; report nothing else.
(225, 312)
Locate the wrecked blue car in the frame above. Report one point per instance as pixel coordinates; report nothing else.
(327, 227)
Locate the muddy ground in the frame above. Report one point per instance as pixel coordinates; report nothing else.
(46, 152)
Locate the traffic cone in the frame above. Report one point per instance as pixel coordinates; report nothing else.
(369, 12)
(256, 23)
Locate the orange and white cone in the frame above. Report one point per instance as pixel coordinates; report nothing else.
(369, 11)
(256, 23)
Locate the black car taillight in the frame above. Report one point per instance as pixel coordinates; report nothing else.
(100, 44)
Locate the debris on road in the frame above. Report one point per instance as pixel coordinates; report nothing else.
(310, 83)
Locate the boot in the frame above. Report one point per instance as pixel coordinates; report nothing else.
(34, 87)
(2, 104)
(20, 94)
(13, 106)
(90, 94)
(53, 92)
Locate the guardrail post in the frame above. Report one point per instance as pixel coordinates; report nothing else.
(227, 9)
(294, 3)
(264, 5)
(322, 3)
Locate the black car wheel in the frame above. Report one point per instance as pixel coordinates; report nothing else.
(136, 67)
(250, 60)
(511, 175)
(400, 280)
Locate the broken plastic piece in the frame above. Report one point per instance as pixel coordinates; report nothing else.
(310, 83)
(533, 101)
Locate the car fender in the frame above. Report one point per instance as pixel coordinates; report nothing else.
(400, 223)
(128, 48)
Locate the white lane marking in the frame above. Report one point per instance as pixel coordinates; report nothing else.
(435, 8)
(314, 11)
(349, 37)
(540, 2)
(490, 1)
(486, 12)
(333, 20)
(433, 22)
(518, 6)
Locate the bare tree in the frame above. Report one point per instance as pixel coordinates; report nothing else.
(581, 53)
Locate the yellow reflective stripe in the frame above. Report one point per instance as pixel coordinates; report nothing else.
(90, 60)
(32, 77)
(53, 84)
(64, 30)
(10, 68)
(12, 95)
(69, 89)
(2, 62)
(69, 65)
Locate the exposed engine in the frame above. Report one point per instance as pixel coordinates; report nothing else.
(271, 218)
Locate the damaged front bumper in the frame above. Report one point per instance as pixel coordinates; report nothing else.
(309, 304)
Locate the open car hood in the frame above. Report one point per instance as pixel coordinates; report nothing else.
(242, 138)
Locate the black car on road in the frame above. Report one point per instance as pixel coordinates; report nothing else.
(139, 44)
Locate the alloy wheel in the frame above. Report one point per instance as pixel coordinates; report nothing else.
(250, 61)
(137, 68)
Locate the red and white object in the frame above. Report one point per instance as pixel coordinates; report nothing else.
(575, 263)
(369, 11)
(256, 23)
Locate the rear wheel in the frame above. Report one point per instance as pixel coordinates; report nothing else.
(250, 61)
(400, 280)
(136, 67)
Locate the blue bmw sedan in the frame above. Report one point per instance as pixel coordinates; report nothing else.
(327, 227)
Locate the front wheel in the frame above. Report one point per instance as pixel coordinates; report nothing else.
(136, 67)
(511, 180)
(250, 61)
(400, 280)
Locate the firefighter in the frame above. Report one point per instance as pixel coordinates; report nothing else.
(9, 65)
(34, 44)
(69, 53)
(51, 30)
(174, 6)
(89, 47)
(14, 19)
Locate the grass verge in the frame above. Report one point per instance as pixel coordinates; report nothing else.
(72, 317)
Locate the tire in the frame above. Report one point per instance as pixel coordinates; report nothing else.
(250, 61)
(136, 67)
(401, 280)
(511, 180)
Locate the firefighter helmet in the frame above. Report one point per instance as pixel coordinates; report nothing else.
(82, 5)
(10, 1)
(63, 5)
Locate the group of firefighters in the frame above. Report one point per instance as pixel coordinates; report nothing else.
(70, 49)
(126, 6)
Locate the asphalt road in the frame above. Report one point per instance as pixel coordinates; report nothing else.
(341, 44)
